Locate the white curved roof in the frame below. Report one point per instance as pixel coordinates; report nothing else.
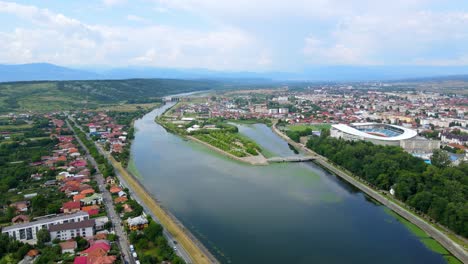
(407, 133)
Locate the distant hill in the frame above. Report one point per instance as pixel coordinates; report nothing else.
(46, 71)
(42, 71)
(68, 95)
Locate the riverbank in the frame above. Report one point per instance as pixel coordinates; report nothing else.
(252, 160)
(454, 248)
(194, 251)
(194, 248)
(257, 160)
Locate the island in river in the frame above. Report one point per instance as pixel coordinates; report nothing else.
(280, 213)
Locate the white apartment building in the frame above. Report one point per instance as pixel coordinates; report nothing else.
(26, 232)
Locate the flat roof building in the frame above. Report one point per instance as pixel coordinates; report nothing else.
(26, 232)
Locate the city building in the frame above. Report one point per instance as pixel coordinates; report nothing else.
(385, 134)
(26, 232)
(71, 230)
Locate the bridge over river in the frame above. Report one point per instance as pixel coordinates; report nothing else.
(291, 159)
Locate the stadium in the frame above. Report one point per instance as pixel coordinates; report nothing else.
(381, 134)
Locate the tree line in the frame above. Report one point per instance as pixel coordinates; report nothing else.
(441, 192)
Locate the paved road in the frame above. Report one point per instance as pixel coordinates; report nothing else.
(111, 213)
(179, 250)
(454, 248)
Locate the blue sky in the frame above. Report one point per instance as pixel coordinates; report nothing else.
(252, 35)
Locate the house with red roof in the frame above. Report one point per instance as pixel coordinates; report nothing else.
(71, 207)
(115, 189)
(80, 260)
(78, 197)
(122, 199)
(20, 219)
(99, 248)
(78, 163)
(87, 191)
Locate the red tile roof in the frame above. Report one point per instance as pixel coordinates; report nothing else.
(115, 189)
(72, 205)
(99, 247)
(80, 260)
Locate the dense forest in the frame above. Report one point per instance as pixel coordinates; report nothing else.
(441, 191)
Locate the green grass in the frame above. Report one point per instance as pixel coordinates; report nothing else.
(428, 241)
(452, 260)
(435, 246)
(304, 127)
(251, 121)
(15, 127)
(133, 169)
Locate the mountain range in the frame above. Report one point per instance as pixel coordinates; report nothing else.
(47, 71)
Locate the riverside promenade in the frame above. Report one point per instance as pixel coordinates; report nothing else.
(194, 250)
(454, 248)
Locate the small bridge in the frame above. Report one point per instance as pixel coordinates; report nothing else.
(290, 159)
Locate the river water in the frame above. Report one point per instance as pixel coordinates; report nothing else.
(280, 213)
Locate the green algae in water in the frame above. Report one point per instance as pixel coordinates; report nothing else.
(428, 241)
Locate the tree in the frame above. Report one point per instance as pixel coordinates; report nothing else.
(43, 236)
(153, 231)
(440, 158)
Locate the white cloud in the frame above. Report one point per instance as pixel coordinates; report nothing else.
(244, 34)
(63, 40)
(392, 38)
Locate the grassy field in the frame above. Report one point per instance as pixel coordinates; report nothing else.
(178, 233)
(15, 127)
(304, 127)
(428, 241)
(127, 107)
(232, 143)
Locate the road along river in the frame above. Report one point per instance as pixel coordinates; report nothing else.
(280, 213)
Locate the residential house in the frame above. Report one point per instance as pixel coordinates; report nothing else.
(68, 246)
(71, 230)
(101, 222)
(78, 197)
(91, 209)
(120, 200)
(21, 206)
(93, 199)
(20, 219)
(115, 189)
(137, 223)
(71, 207)
(87, 191)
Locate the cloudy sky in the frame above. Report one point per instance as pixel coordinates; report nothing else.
(255, 35)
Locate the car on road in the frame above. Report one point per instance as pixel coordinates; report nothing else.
(175, 248)
(132, 248)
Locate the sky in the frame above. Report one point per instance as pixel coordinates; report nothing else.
(241, 35)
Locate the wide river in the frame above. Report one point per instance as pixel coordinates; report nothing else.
(281, 213)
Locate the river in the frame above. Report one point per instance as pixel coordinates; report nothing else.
(280, 213)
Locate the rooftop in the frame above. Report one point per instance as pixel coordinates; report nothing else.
(355, 129)
(46, 220)
(72, 225)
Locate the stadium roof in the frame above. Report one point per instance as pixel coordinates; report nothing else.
(407, 133)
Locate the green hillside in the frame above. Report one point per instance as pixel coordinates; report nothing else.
(63, 95)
